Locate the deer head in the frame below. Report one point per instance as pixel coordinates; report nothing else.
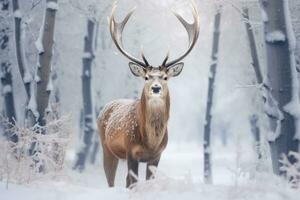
(155, 77)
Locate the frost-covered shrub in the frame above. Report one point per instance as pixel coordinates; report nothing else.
(40, 150)
(292, 170)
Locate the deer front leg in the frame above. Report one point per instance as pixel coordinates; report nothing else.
(133, 170)
(154, 163)
(110, 163)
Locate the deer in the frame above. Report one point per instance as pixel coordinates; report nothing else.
(136, 130)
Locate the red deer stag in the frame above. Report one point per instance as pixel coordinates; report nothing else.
(136, 130)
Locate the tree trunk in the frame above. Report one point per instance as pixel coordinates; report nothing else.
(25, 74)
(259, 78)
(6, 75)
(279, 84)
(21, 60)
(44, 86)
(256, 134)
(88, 116)
(208, 117)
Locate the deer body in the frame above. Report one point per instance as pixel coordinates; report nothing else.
(136, 130)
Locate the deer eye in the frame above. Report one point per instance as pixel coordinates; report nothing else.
(165, 78)
(146, 78)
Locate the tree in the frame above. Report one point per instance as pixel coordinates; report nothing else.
(45, 45)
(21, 61)
(281, 87)
(209, 102)
(6, 75)
(88, 108)
(259, 79)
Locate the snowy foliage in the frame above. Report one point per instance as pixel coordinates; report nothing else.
(39, 148)
(292, 170)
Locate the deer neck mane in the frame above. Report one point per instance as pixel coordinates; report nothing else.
(154, 115)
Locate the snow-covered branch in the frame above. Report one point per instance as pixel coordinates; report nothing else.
(292, 170)
(18, 165)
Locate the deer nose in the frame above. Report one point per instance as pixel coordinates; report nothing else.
(156, 89)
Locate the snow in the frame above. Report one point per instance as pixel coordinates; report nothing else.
(39, 41)
(264, 15)
(7, 89)
(18, 14)
(275, 36)
(180, 172)
(52, 5)
(37, 78)
(122, 117)
(32, 105)
(87, 73)
(50, 85)
(178, 177)
(27, 77)
(87, 55)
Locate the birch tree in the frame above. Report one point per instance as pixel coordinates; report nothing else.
(209, 102)
(88, 108)
(281, 86)
(45, 48)
(5, 63)
(259, 78)
(19, 33)
(19, 39)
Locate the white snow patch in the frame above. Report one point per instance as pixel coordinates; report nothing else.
(52, 5)
(18, 14)
(50, 85)
(275, 36)
(37, 78)
(87, 55)
(264, 15)
(7, 89)
(39, 42)
(292, 108)
(32, 105)
(49, 108)
(27, 77)
(87, 73)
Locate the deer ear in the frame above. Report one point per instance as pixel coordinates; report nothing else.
(136, 69)
(175, 69)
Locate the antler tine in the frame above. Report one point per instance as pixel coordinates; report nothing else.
(116, 30)
(166, 59)
(192, 30)
(144, 58)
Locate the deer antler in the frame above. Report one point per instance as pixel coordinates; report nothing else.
(116, 30)
(193, 33)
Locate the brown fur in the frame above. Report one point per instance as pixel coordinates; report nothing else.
(136, 131)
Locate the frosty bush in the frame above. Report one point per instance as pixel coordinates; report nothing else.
(292, 170)
(40, 150)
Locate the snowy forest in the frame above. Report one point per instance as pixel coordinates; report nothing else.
(229, 127)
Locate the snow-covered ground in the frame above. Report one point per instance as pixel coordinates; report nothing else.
(179, 176)
(236, 174)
